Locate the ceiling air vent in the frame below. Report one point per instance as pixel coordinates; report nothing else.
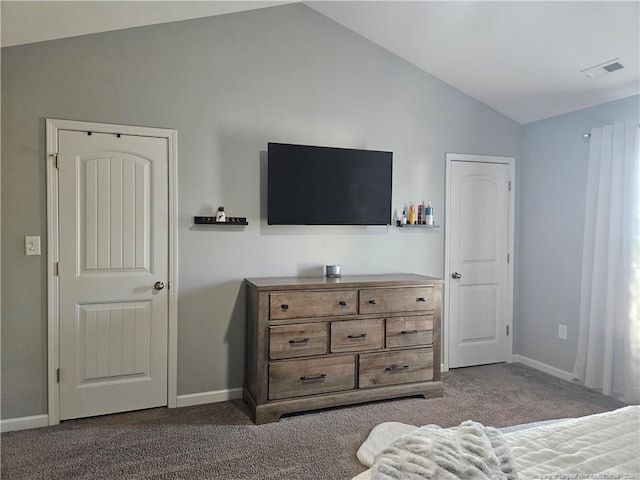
(612, 67)
(604, 68)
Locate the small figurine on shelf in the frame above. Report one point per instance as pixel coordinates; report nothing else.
(220, 216)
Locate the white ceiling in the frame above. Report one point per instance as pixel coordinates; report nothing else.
(521, 58)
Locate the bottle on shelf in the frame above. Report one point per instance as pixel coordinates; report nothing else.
(421, 213)
(429, 214)
(412, 215)
(403, 219)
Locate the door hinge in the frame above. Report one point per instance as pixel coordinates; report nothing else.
(507, 330)
(57, 269)
(58, 375)
(55, 159)
(508, 257)
(509, 185)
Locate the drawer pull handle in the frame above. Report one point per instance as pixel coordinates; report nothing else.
(343, 303)
(372, 302)
(397, 368)
(312, 378)
(285, 306)
(359, 335)
(408, 332)
(299, 341)
(422, 299)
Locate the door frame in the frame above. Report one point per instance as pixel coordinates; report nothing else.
(53, 285)
(510, 161)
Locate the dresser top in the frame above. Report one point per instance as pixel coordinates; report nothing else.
(354, 281)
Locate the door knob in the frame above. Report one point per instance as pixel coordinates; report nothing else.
(456, 275)
(158, 285)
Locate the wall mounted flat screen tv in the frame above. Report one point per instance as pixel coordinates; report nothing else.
(309, 185)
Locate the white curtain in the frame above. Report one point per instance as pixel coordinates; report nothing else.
(608, 356)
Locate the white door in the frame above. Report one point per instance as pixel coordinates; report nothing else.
(478, 270)
(113, 248)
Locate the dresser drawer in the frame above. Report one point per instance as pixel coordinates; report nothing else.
(298, 378)
(289, 341)
(391, 368)
(312, 304)
(357, 335)
(409, 331)
(389, 300)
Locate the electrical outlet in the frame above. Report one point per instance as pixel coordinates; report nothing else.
(562, 331)
(32, 245)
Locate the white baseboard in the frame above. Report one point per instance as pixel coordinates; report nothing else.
(209, 397)
(37, 421)
(556, 372)
(24, 423)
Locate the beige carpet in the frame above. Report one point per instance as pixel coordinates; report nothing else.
(218, 441)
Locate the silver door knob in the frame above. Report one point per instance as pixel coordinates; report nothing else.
(158, 285)
(456, 275)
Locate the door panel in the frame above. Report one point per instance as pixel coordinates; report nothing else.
(478, 208)
(115, 194)
(114, 341)
(478, 311)
(113, 215)
(479, 205)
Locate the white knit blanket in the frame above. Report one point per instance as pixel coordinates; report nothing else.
(470, 451)
(604, 445)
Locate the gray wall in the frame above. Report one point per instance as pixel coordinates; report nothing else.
(552, 218)
(229, 85)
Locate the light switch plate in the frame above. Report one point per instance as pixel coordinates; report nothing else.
(32, 245)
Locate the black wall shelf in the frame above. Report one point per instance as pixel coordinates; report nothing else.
(212, 221)
(416, 225)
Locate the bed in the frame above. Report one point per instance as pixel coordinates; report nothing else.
(600, 446)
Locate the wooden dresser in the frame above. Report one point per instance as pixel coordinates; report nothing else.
(317, 342)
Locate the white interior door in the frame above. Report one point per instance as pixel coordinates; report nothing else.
(478, 270)
(113, 248)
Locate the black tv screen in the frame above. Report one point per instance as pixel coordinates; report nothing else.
(310, 185)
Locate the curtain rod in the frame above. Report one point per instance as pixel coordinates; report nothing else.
(588, 135)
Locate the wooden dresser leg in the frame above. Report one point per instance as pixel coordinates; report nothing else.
(266, 415)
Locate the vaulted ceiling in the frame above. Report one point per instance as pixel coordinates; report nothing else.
(524, 59)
